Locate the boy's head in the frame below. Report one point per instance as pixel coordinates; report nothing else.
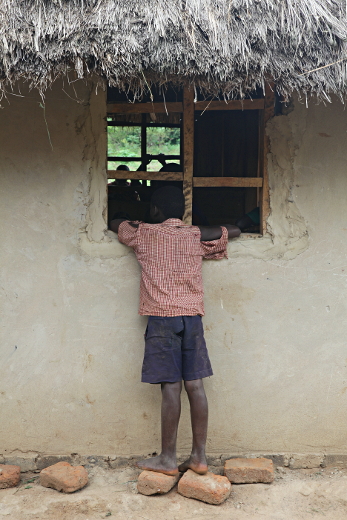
(167, 202)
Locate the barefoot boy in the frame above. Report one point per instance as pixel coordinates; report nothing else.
(171, 294)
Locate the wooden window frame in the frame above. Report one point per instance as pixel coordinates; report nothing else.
(187, 108)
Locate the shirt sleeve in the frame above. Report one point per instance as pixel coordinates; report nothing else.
(127, 234)
(216, 249)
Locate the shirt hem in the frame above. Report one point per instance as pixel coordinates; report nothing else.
(163, 314)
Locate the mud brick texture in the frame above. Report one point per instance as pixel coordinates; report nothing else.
(9, 476)
(152, 483)
(209, 488)
(64, 477)
(249, 471)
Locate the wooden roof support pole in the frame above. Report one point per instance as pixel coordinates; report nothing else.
(264, 150)
(188, 151)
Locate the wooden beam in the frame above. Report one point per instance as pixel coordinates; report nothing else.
(144, 108)
(231, 182)
(118, 158)
(188, 152)
(264, 150)
(246, 104)
(148, 176)
(162, 108)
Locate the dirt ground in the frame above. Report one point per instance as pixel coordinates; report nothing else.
(295, 495)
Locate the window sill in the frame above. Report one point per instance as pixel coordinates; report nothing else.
(246, 236)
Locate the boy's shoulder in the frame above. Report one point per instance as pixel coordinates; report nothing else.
(173, 228)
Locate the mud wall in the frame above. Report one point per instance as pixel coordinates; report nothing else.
(72, 342)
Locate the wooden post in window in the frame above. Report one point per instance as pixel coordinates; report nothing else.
(188, 151)
(143, 139)
(264, 149)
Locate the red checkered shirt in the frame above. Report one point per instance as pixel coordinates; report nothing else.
(171, 256)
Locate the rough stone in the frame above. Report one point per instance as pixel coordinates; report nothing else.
(209, 488)
(278, 459)
(248, 471)
(64, 477)
(9, 476)
(152, 483)
(309, 461)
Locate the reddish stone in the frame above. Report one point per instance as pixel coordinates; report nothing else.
(64, 477)
(249, 471)
(151, 483)
(210, 488)
(9, 476)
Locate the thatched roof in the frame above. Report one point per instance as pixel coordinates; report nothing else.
(233, 45)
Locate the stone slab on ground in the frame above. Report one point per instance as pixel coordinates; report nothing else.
(64, 477)
(9, 476)
(152, 483)
(209, 488)
(249, 471)
(26, 462)
(45, 461)
(302, 460)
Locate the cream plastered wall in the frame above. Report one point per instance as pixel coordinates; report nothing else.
(72, 342)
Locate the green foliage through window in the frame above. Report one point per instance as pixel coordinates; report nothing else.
(125, 141)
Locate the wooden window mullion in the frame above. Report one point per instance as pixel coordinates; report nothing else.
(143, 139)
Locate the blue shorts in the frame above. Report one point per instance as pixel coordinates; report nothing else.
(175, 349)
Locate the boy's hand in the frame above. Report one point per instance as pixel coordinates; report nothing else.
(233, 231)
(209, 233)
(115, 223)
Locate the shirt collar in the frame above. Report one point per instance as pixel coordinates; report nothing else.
(173, 222)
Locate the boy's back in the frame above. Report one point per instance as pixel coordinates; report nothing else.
(170, 254)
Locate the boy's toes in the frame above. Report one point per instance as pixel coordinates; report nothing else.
(155, 464)
(197, 467)
(184, 466)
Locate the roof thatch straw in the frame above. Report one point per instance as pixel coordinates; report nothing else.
(228, 45)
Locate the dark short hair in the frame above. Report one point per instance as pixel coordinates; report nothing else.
(170, 201)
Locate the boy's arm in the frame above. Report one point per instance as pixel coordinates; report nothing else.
(209, 233)
(114, 224)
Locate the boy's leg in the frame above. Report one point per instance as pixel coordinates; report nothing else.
(170, 415)
(199, 418)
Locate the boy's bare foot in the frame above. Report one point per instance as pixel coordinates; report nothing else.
(159, 464)
(197, 466)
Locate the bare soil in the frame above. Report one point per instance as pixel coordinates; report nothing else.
(295, 495)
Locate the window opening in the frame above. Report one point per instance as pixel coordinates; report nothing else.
(218, 149)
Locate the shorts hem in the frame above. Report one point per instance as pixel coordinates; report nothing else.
(198, 375)
(155, 382)
(188, 377)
